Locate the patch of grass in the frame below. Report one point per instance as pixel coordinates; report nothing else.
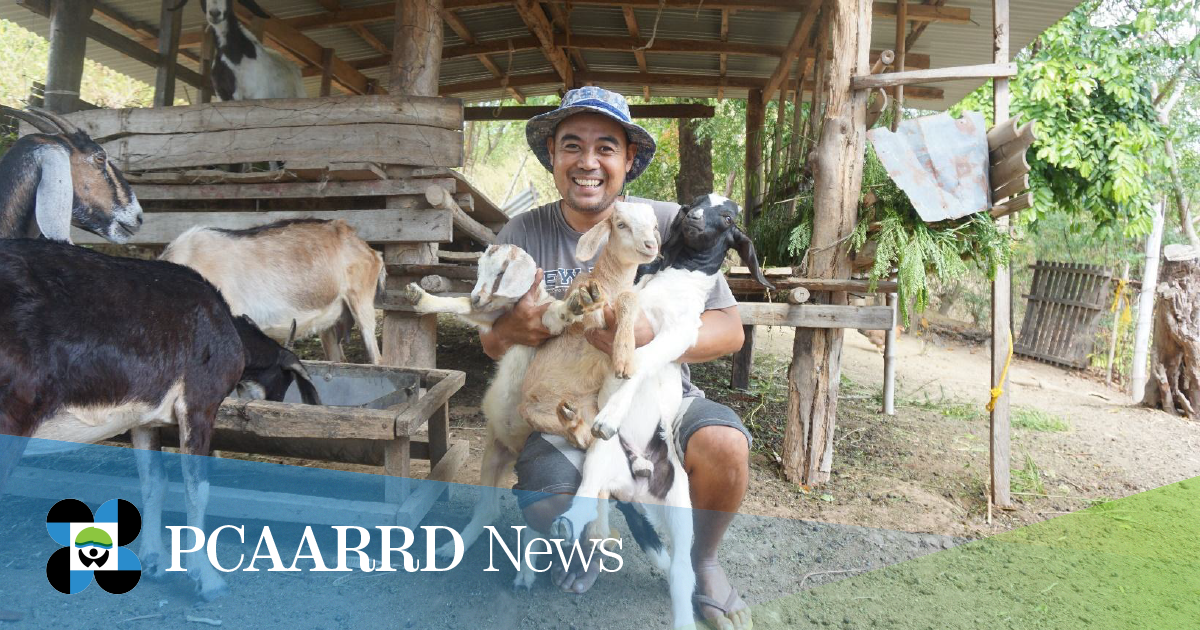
(1038, 420)
(964, 411)
(1028, 478)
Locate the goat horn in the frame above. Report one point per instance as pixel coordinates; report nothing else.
(66, 125)
(42, 125)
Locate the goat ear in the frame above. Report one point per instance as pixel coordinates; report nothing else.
(308, 391)
(745, 249)
(249, 390)
(518, 277)
(670, 249)
(591, 242)
(55, 194)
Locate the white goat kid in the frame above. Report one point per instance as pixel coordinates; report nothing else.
(643, 465)
(506, 273)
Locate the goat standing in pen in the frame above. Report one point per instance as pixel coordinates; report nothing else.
(97, 345)
(306, 272)
(243, 68)
(644, 464)
(61, 177)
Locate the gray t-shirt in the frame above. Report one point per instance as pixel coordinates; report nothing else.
(544, 233)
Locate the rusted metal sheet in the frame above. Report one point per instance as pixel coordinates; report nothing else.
(940, 162)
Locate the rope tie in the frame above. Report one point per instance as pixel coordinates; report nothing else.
(998, 390)
(654, 31)
(504, 80)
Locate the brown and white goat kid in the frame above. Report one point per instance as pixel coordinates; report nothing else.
(307, 271)
(643, 465)
(506, 273)
(559, 384)
(59, 177)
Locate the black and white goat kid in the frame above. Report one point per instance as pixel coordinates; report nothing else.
(94, 346)
(643, 465)
(244, 69)
(59, 177)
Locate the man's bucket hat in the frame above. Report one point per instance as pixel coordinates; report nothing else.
(596, 100)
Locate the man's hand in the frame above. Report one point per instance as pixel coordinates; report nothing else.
(602, 338)
(520, 326)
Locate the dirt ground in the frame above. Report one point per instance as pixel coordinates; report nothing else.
(1074, 440)
(901, 487)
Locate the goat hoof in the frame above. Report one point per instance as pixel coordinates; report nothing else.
(561, 528)
(413, 292)
(603, 430)
(217, 592)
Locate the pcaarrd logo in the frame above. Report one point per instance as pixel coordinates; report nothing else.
(94, 546)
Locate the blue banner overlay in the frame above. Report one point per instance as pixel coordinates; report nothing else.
(1133, 563)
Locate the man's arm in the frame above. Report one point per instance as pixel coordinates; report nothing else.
(720, 334)
(520, 326)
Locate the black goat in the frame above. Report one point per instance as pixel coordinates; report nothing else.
(93, 346)
(60, 177)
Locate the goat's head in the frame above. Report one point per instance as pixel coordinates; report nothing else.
(704, 230)
(270, 367)
(217, 11)
(506, 273)
(632, 230)
(96, 194)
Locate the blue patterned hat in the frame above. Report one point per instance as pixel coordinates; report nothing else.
(591, 99)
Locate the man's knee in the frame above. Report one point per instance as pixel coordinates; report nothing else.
(541, 514)
(717, 446)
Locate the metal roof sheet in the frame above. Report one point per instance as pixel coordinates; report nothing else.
(947, 44)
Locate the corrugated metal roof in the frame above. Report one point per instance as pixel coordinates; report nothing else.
(947, 44)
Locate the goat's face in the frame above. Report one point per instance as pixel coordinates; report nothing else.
(632, 229)
(216, 11)
(103, 202)
(704, 230)
(506, 273)
(270, 368)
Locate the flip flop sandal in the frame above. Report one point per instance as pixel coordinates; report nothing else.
(699, 600)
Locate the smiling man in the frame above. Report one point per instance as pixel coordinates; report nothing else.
(593, 150)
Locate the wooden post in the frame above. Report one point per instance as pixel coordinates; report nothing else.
(755, 115)
(889, 337)
(208, 51)
(326, 71)
(1001, 291)
(68, 43)
(1116, 325)
(817, 353)
(170, 20)
(1145, 320)
(417, 51)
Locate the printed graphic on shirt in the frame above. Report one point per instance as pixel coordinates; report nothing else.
(557, 280)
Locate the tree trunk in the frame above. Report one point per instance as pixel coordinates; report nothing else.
(1174, 385)
(1141, 334)
(817, 352)
(417, 52)
(695, 176)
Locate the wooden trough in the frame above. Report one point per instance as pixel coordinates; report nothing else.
(371, 414)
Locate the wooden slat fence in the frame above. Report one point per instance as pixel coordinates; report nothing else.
(1066, 301)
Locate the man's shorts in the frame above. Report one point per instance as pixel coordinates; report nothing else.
(549, 465)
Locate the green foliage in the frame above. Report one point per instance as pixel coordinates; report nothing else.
(24, 55)
(1037, 420)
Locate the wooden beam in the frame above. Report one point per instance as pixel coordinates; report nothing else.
(919, 29)
(326, 72)
(891, 79)
(535, 20)
(483, 85)
(563, 21)
(169, 22)
(722, 61)
(800, 38)
(635, 34)
(816, 316)
(683, 80)
(145, 34)
(382, 12)
(950, 15)
(460, 28)
(287, 39)
(118, 42)
(682, 110)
